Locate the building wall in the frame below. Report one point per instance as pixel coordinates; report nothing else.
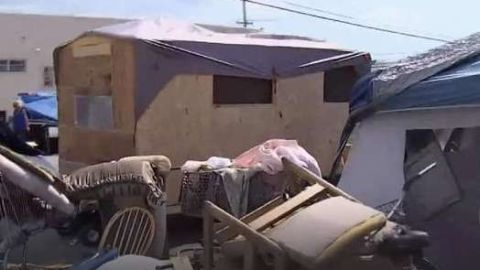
(33, 38)
(182, 123)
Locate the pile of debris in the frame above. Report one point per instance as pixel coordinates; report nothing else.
(269, 206)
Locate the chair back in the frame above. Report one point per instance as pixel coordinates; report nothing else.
(130, 231)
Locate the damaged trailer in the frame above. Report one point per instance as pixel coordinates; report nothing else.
(414, 130)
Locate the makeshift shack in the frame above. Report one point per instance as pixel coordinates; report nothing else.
(415, 127)
(190, 91)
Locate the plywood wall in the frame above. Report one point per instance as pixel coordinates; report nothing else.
(315, 124)
(183, 124)
(96, 66)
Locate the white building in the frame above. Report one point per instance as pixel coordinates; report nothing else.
(26, 47)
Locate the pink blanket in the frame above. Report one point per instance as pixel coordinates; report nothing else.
(268, 156)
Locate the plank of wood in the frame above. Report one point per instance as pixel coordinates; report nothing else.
(276, 213)
(225, 232)
(313, 178)
(92, 50)
(219, 226)
(263, 209)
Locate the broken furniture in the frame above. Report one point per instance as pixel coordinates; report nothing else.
(309, 230)
(28, 194)
(20, 216)
(131, 191)
(129, 231)
(111, 187)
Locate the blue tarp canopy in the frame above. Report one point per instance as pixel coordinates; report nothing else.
(41, 106)
(445, 76)
(459, 85)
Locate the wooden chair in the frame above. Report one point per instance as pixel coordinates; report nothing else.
(314, 217)
(130, 231)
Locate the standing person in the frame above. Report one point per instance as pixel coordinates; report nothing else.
(20, 120)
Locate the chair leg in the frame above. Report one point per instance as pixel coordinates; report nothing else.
(24, 256)
(281, 262)
(208, 241)
(249, 257)
(4, 260)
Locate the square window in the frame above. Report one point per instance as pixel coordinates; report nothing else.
(241, 90)
(3, 65)
(94, 112)
(17, 65)
(338, 84)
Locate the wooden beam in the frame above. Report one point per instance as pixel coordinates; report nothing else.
(313, 178)
(263, 209)
(224, 232)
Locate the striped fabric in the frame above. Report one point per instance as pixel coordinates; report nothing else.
(111, 179)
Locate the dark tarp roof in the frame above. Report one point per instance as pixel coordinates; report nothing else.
(444, 76)
(252, 52)
(186, 48)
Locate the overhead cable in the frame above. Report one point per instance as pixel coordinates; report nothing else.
(365, 26)
(318, 10)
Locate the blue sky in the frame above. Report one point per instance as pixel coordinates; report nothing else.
(448, 20)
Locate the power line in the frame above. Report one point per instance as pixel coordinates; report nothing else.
(375, 28)
(318, 10)
(345, 16)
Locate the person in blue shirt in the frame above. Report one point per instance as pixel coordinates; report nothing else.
(20, 120)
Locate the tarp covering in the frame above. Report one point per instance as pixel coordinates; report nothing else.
(171, 30)
(444, 76)
(41, 106)
(459, 85)
(188, 48)
(254, 53)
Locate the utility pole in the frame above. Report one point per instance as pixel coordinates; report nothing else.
(244, 7)
(245, 22)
